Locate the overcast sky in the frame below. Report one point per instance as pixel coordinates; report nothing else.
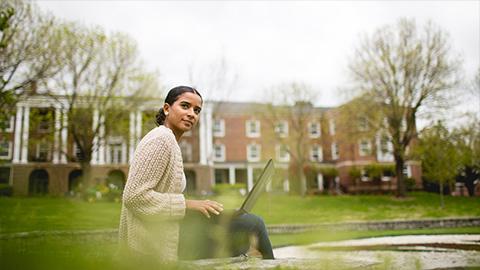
(268, 43)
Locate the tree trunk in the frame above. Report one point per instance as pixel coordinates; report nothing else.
(303, 180)
(442, 204)
(401, 188)
(87, 174)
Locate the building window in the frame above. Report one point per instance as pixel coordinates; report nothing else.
(314, 129)
(253, 128)
(7, 125)
(219, 152)
(407, 171)
(5, 149)
(316, 153)
(186, 149)
(364, 176)
(362, 124)
(77, 152)
(282, 153)
(253, 152)
(331, 126)
(42, 152)
(115, 153)
(281, 129)
(218, 128)
(365, 148)
(335, 151)
(45, 121)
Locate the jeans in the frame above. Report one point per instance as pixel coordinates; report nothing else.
(219, 236)
(244, 225)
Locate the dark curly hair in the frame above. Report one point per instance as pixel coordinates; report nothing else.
(172, 96)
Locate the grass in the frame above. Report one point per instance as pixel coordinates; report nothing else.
(58, 213)
(86, 252)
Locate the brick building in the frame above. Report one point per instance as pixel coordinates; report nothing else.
(230, 144)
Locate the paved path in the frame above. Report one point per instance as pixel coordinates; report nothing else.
(411, 252)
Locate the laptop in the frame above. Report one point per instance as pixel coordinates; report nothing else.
(199, 235)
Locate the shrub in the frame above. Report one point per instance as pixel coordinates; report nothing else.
(6, 190)
(225, 189)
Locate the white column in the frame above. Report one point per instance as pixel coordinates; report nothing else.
(132, 137)
(124, 153)
(249, 178)
(108, 152)
(18, 131)
(138, 127)
(209, 135)
(286, 185)
(64, 134)
(231, 175)
(95, 144)
(56, 132)
(26, 123)
(320, 181)
(101, 139)
(203, 139)
(206, 135)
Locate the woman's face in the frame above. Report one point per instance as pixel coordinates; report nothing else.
(184, 113)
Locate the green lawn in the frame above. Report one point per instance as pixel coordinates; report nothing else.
(91, 252)
(47, 213)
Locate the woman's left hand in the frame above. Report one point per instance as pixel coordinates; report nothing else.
(205, 206)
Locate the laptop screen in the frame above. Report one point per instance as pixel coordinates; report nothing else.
(259, 187)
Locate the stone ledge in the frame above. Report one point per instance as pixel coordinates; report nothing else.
(256, 263)
(285, 228)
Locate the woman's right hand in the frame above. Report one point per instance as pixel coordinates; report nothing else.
(205, 206)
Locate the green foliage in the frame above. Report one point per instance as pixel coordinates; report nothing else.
(47, 214)
(440, 159)
(227, 189)
(410, 183)
(329, 171)
(354, 172)
(6, 190)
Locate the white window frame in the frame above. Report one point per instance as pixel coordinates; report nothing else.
(318, 149)
(314, 126)
(335, 151)
(37, 150)
(116, 151)
(281, 129)
(363, 124)
(9, 149)
(331, 126)
(221, 148)
(75, 148)
(281, 152)
(252, 133)
(10, 122)
(364, 147)
(218, 128)
(388, 154)
(250, 151)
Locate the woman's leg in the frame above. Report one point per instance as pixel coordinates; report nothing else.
(242, 227)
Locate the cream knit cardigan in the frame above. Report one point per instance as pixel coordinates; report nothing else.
(153, 202)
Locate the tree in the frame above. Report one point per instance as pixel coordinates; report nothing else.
(101, 79)
(292, 103)
(402, 72)
(467, 144)
(440, 159)
(23, 61)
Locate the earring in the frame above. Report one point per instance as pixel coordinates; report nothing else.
(166, 113)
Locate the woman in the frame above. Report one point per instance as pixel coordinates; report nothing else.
(153, 203)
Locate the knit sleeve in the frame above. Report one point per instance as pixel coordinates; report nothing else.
(147, 169)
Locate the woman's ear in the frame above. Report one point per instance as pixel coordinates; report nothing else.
(166, 108)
